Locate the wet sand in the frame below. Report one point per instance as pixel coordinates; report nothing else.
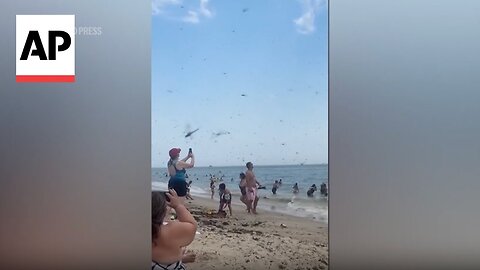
(267, 240)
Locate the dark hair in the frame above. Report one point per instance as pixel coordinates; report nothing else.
(249, 163)
(222, 186)
(159, 209)
(242, 175)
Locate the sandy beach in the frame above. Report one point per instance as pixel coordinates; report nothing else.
(247, 241)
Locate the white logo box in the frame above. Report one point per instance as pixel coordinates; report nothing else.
(62, 69)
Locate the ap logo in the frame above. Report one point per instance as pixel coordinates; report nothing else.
(45, 48)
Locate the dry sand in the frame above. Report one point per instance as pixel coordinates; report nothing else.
(247, 241)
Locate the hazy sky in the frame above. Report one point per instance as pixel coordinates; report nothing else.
(253, 71)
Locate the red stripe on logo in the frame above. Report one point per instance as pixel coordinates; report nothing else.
(46, 78)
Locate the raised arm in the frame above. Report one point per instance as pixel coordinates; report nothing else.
(182, 232)
(184, 165)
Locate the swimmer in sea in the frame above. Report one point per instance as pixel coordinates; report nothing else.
(275, 187)
(295, 188)
(311, 190)
(323, 189)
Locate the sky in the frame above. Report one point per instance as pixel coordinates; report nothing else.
(250, 75)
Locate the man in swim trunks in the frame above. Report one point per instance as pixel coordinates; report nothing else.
(251, 184)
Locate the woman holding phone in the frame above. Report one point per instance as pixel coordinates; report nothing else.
(177, 170)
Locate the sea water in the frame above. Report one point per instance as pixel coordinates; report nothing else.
(285, 201)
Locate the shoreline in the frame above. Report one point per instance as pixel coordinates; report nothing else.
(268, 240)
(261, 206)
(315, 209)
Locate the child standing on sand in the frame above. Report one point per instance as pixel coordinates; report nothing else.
(225, 198)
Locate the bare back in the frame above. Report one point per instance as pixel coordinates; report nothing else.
(171, 169)
(165, 250)
(168, 247)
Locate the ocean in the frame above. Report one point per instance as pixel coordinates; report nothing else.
(284, 201)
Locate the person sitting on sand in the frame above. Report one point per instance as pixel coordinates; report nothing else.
(243, 191)
(188, 196)
(170, 238)
(311, 190)
(177, 170)
(251, 180)
(275, 187)
(225, 198)
(295, 188)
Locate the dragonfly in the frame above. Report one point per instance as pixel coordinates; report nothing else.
(220, 133)
(189, 132)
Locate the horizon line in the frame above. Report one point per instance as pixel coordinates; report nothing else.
(213, 166)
